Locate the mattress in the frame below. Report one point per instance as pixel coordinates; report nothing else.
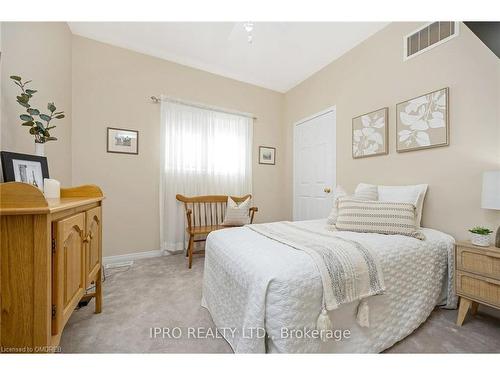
(265, 296)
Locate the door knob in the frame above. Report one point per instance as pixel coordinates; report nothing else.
(327, 190)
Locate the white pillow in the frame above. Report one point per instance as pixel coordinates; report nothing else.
(364, 192)
(414, 194)
(237, 214)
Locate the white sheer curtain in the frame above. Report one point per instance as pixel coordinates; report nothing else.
(202, 152)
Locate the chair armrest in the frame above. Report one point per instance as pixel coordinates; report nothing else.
(252, 211)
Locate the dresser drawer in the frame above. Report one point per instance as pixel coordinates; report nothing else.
(482, 262)
(478, 288)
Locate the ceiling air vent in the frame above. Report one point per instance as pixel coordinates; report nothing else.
(429, 36)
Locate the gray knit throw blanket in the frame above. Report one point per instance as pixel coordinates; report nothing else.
(349, 271)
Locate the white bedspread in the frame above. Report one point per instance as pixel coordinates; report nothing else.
(253, 285)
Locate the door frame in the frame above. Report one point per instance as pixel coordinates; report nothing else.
(303, 120)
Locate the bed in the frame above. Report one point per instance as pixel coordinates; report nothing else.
(264, 296)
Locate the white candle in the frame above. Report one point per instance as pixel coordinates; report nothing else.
(51, 188)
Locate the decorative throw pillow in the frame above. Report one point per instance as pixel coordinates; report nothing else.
(363, 192)
(405, 194)
(378, 217)
(337, 193)
(237, 214)
(366, 192)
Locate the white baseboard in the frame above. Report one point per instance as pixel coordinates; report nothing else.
(133, 256)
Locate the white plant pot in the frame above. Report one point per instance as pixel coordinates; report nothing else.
(39, 149)
(480, 239)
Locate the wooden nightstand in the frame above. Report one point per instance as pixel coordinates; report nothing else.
(477, 274)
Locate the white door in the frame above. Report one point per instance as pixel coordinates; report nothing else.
(314, 165)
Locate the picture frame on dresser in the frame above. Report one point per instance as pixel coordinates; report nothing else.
(30, 169)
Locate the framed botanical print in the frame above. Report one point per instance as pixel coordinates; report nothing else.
(423, 122)
(267, 155)
(122, 141)
(370, 134)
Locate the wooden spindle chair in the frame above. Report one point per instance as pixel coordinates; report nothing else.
(204, 214)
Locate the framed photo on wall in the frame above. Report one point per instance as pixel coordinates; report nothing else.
(267, 155)
(122, 141)
(370, 134)
(423, 122)
(30, 169)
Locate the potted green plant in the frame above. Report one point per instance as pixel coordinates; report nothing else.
(39, 123)
(480, 236)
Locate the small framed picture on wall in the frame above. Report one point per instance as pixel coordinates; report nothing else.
(122, 141)
(267, 155)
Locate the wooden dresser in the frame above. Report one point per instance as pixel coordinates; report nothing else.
(477, 277)
(50, 257)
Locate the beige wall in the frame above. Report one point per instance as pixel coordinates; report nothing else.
(112, 87)
(373, 75)
(99, 85)
(41, 52)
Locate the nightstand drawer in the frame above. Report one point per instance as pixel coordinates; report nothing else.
(485, 263)
(478, 288)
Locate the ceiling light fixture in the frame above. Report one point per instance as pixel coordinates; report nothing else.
(249, 28)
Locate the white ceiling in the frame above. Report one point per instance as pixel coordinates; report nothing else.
(282, 54)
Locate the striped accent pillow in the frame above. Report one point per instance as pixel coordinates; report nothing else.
(364, 192)
(378, 217)
(237, 214)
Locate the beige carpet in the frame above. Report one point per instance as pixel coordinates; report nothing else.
(162, 292)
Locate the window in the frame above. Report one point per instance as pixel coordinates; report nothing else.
(203, 152)
(207, 143)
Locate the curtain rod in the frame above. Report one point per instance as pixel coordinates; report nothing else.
(156, 99)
